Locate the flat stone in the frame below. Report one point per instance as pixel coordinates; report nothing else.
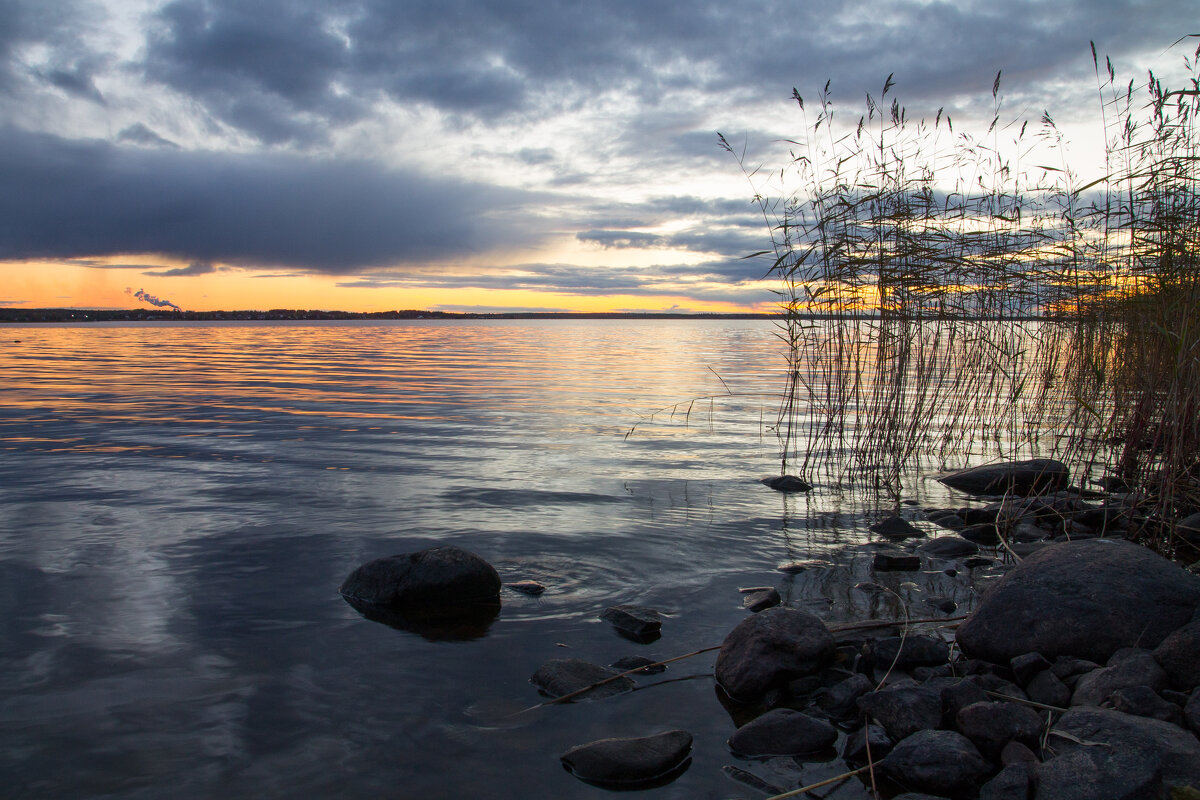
(769, 649)
(1085, 599)
(638, 622)
(787, 484)
(644, 666)
(1036, 476)
(562, 676)
(630, 763)
(943, 763)
(782, 732)
(949, 547)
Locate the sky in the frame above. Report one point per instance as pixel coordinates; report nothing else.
(463, 155)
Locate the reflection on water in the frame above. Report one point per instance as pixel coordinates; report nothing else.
(178, 505)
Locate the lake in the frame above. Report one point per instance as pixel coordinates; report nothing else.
(180, 502)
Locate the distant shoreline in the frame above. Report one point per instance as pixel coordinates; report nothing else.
(85, 315)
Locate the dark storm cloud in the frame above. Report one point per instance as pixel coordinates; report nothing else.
(282, 70)
(67, 199)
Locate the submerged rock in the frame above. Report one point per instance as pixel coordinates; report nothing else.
(782, 732)
(897, 528)
(631, 763)
(949, 547)
(637, 622)
(787, 484)
(1036, 476)
(895, 561)
(532, 588)
(761, 599)
(1085, 599)
(769, 649)
(562, 676)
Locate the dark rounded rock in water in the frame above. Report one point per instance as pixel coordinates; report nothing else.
(782, 732)
(1085, 599)
(949, 547)
(637, 622)
(897, 528)
(562, 676)
(1036, 476)
(426, 591)
(769, 649)
(983, 535)
(943, 763)
(631, 763)
(892, 561)
(787, 484)
(532, 588)
(762, 599)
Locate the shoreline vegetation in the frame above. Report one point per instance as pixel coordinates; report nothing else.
(948, 241)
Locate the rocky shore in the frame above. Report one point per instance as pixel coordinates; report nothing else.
(1077, 674)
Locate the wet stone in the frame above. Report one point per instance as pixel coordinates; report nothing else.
(949, 547)
(1036, 476)
(637, 622)
(769, 649)
(787, 484)
(562, 676)
(984, 535)
(943, 763)
(977, 561)
(630, 763)
(782, 732)
(532, 588)
(943, 604)
(761, 600)
(896, 528)
(793, 567)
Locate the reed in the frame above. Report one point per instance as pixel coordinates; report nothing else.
(954, 296)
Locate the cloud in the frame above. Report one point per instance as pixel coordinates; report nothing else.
(195, 268)
(67, 199)
(138, 133)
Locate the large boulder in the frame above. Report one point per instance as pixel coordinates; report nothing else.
(769, 649)
(440, 592)
(1105, 753)
(1085, 599)
(1036, 476)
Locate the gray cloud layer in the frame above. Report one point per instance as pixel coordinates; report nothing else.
(282, 80)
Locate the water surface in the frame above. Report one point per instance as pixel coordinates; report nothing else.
(179, 503)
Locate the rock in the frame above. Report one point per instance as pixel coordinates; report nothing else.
(1026, 666)
(984, 535)
(911, 651)
(629, 763)
(1142, 701)
(896, 528)
(793, 567)
(944, 604)
(977, 561)
(1085, 599)
(787, 484)
(438, 577)
(991, 725)
(430, 591)
(769, 649)
(1068, 668)
(1025, 533)
(1046, 688)
(1179, 656)
(1017, 753)
(903, 710)
(1137, 670)
(895, 561)
(1036, 476)
(532, 588)
(1091, 773)
(561, 676)
(1118, 748)
(1191, 712)
(949, 547)
(644, 666)
(839, 700)
(762, 600)
(636, 622)
(956, 694)
(1014, 782)
(939, 762)
(996, 684)
(855, 750)
(782, 732)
